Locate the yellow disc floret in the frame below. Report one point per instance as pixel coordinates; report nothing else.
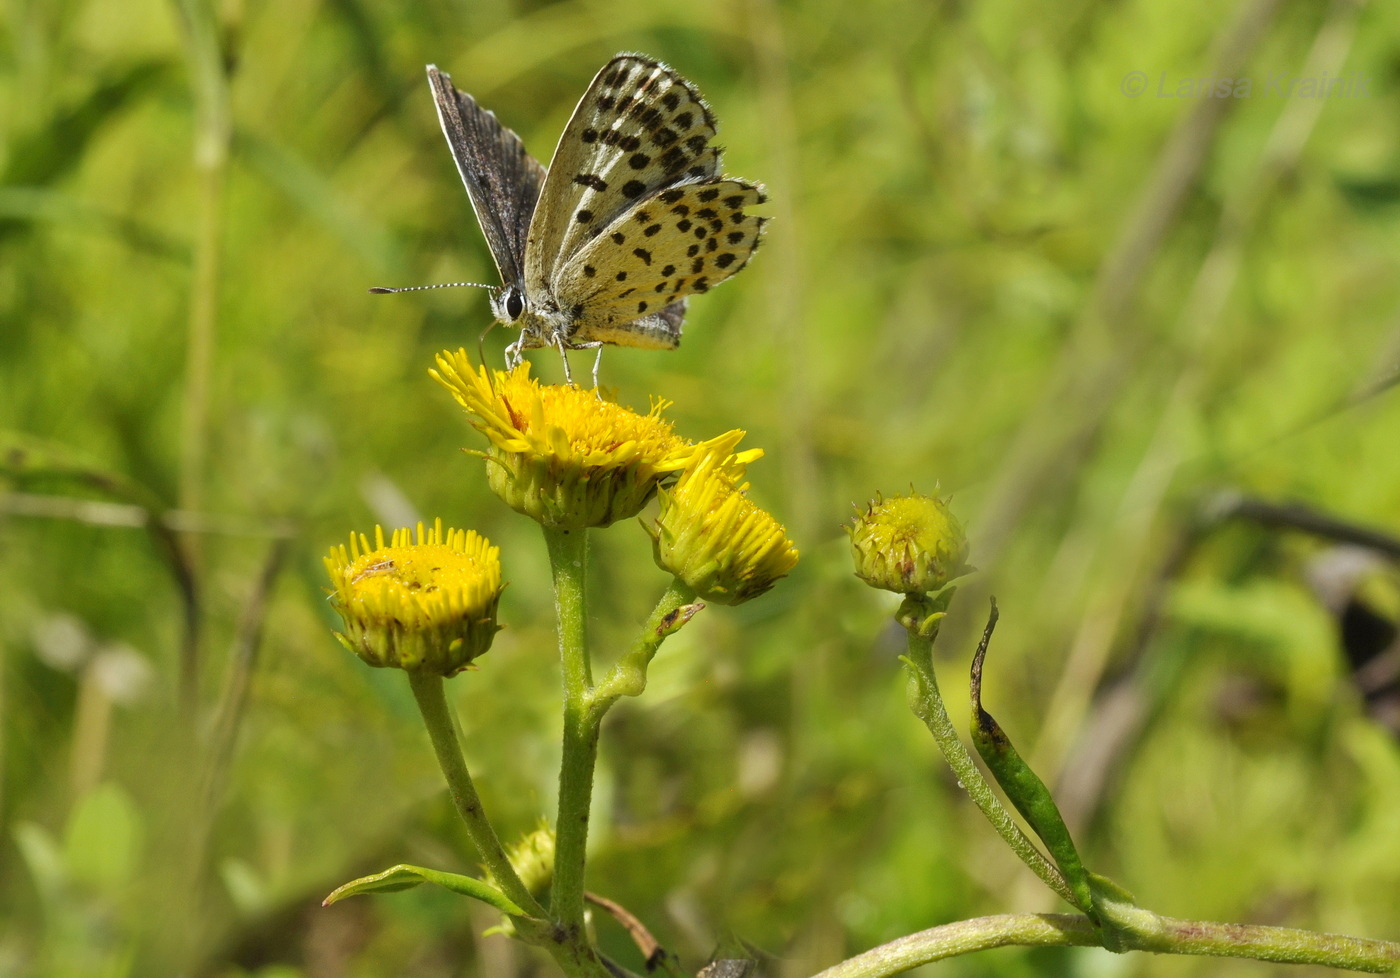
(425, 603)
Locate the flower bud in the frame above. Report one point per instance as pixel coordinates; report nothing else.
(533, 859)
(712, 537)
(908, 544)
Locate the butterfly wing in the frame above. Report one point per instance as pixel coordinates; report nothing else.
(679, 242)
(659, 331)
(502, 180)
(638, 129)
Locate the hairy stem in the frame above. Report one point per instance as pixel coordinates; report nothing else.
(628, 677)
(1151, 933)
(437, 717)
(927, 704)
(568, 555)
(978, 934)
(1285, 944)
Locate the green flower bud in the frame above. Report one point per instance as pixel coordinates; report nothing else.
(909, 544)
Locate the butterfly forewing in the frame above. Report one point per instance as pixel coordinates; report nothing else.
(638, 129)
(502, 180)
(681, 241)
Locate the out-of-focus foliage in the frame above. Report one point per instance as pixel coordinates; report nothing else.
(990, 270)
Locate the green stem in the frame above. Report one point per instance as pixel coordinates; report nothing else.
(628, 677)
(432, 704)
(1284, 944)
(963, 937)
(199, 21)
(568, 555)
(928, 706)
(1152, 933)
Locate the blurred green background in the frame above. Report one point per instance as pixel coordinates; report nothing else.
(1099, 321)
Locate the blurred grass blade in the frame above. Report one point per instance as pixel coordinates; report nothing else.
(1023, 787)
(314, 194)
(405, 877)
(46, 154)
(33, 205)
(27, 459)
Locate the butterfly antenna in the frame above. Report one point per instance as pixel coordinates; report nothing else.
(385, 290)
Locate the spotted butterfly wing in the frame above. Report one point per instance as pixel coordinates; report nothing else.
(640, 133)
(502, 180)
(684, 241)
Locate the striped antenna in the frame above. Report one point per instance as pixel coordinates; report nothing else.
(385, 290)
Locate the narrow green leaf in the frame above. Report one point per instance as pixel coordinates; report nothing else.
(1022, 786)
(27, 460)
(403, 877)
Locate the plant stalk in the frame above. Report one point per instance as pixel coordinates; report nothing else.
(437, 717)
(1152, 933)
(568, 555)
(927, 704)
(628, 676)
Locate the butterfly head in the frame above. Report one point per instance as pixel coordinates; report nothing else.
(508, 304)
(540, 324)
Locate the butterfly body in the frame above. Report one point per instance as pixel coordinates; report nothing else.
(630, 219)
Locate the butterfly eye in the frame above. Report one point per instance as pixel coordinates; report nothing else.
(515, 305)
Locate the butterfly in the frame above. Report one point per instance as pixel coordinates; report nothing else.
(631, 218)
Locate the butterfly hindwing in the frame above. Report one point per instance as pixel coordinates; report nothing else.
(502, 179)
(681, 241)
(638, 129)
(659, 331)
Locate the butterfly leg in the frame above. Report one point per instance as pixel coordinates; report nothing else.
(564, 355)
(597, 362)
(515, 353)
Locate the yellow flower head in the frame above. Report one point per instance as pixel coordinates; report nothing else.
(712, 537)
(562, 455)
(424, 606)
(909, 544)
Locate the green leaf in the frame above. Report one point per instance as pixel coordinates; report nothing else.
(103, 839)
(1022, 786)
(404, 877)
